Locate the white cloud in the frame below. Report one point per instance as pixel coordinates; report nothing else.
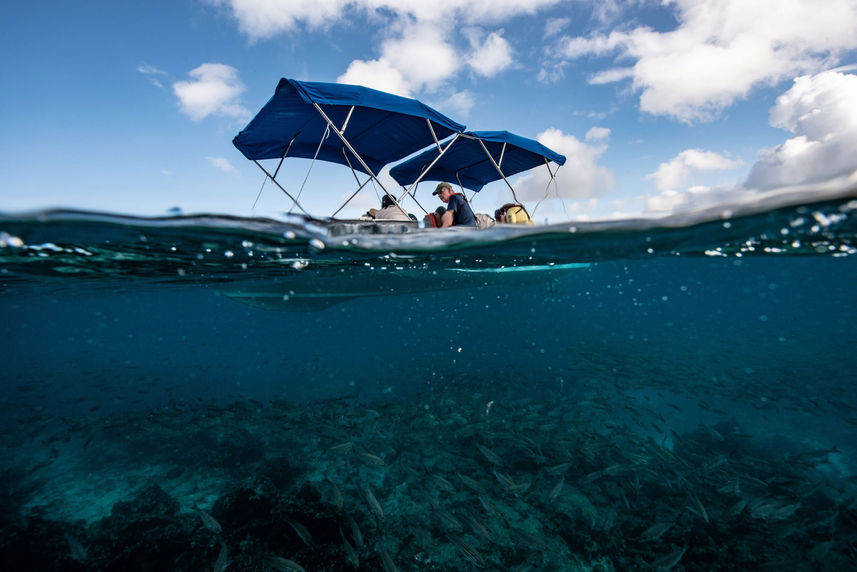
(377, 74)
(580, 177)
(821, 112)
(458, 104)
(491, 56)
(597, 134)
(676, 172)
(419, 46)
(214, 89)
(694, 198)
(721, 50)
(151, 72)
(260, 19)
(221, 164)
(555, 25)
(417, 59)
(422, 55)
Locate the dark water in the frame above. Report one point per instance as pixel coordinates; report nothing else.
(661, 396)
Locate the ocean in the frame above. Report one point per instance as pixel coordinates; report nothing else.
(212, 393)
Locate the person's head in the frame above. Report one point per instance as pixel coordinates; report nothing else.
(386, 201)
(443, 191)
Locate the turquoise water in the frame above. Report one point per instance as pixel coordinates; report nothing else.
(620, 396)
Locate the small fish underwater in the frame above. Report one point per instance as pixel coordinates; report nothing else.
(214, 393)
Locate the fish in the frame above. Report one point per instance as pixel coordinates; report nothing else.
(336, 495)
(387, 562)
(560, 469)
(530, 540)
(371, 460)
(668, 562)
(448, 520)
(346, 447)
(697, 509)
(468, 551)
(441, 482)
(283, 564)
(471, 483)
(208, 521)
(738, 507)
(350, 553)
(490, 455)
(374, 505)
(356, 533)
(301, 531)
(422, 536)
(78, 551)
(222, 561)
(655, 531)
(489, 506)
(476, 525)
(557, 489)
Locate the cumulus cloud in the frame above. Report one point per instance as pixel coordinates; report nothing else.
(720, 50)
(377, 74)
(677, 172)
(458, 104)
(597, 134)
(260, 19)
(420, 47)
(580, 177)
(821, 112)
(213, 90)
(418, 59)
(221, 164)
(491, 56)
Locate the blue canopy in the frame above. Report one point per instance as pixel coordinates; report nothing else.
(382, 128)
(466, 162)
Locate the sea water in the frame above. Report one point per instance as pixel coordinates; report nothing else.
(193, 393)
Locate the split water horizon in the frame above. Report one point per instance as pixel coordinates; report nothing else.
(204, 392)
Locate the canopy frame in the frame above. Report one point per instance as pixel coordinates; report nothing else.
(298, 98)
(496, 164)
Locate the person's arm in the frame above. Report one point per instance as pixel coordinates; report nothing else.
(446, 219)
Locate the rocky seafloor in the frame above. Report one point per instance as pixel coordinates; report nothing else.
(455, 478)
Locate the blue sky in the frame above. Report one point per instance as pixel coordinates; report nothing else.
(659, 106)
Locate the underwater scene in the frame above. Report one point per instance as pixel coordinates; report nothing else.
(216, 393)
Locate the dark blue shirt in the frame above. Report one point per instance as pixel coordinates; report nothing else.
(462, 215)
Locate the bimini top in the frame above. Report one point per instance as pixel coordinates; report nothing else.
(467, 162)
(381, 127)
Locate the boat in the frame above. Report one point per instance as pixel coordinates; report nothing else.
(366, 130)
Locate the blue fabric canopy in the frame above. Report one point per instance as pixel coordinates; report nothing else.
(383, 128)
(466, 162)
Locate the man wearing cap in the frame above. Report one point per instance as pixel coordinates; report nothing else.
(458, 212)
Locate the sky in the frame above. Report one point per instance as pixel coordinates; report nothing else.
(659, 106)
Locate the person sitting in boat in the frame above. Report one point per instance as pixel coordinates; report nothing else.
(390, 210)
(458, 212)
(513, 213)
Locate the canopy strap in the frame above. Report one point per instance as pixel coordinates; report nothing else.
(277, 170)
(496, 166)
(354, 194)
(273, 180)
(312, 164)
(548, 189)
